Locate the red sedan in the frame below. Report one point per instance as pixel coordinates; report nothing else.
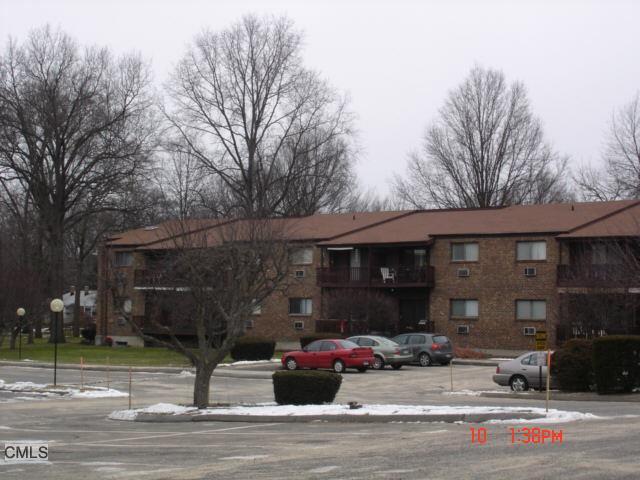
(335, 354)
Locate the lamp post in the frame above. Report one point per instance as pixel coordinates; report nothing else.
(20, 312)
(56, 306)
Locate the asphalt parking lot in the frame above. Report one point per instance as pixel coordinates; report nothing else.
(84, 444)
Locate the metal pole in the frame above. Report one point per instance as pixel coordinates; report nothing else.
(81, 373)
(108, 372)
(55, 349)
(451, 374)
(548, 379)
(129, 388)
(19, 338)
(540, 377)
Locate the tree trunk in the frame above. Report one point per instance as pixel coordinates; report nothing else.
(201, 384)
(13, 338)
(57, 280)
(30, 337)
(76, 302)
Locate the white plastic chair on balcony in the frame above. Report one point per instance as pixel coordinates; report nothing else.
(388, 274)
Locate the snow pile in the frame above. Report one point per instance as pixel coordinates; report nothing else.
(476, 393)
(186, 373)
(158, 408)
(44, 390)
(249, 362)
(272, 409)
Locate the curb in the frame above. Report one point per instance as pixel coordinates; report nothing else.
(442, 418)
(566, 397)
(477, 363)
(237, 372)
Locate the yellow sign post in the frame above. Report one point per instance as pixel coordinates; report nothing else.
(541, 340)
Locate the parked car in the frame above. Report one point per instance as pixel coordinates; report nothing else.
(385, 351)
(524, 372)
(427, 348)
(336, 354)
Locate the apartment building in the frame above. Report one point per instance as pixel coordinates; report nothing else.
(487, 278)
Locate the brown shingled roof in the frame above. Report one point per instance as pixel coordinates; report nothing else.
(623, 223)
(420, 226)
(310, 228)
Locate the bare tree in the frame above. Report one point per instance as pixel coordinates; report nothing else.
(210, 282)
(485, 149)
(74, 127)
(620, 177)
(259, 121)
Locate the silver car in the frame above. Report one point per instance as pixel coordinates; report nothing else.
(529, 370)
(385, 351)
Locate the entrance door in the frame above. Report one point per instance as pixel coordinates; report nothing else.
(413, 315)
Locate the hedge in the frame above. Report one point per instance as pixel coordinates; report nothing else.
(306, 340)
(305, 387)
(616, 363)
(572, 365)
(253, 348)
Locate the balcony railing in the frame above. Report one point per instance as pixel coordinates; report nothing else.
(599, 276)
(397, 276)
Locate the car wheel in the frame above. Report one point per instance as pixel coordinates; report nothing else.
(338, 366)
(424, 359)
(378, 362)
(291, 364)
(396, 367)
(518, 383)
(362, 369)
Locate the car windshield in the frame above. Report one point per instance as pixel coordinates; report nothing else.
(440, 339)
(347, 344)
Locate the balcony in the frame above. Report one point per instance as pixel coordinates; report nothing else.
(399, 276)
(597, 276)
(148, 279)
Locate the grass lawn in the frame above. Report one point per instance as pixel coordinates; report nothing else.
(72, 350)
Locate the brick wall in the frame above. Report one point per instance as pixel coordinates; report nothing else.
(496, 280)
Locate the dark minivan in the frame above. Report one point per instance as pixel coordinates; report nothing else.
(427, 348)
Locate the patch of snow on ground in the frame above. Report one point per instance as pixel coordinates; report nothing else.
(44, 390)
(249, 362)
(475, 393)
(186, 373)
(553, 416)
(245, 457)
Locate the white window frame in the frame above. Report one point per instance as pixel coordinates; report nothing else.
(471, 305)
(301, 256)
(469, 249)
(531, 251)
(119, 255)
(306, 306)
(528, 306)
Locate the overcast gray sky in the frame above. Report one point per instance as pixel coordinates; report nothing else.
(397, 59)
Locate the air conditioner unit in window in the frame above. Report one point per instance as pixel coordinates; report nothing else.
(248, 324)
(298, 325)
(463, 272)
(530, 272)
(463, 329)
(299, 274)
(529, 331)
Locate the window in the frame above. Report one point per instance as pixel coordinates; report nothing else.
(417, 340)
(314, 346)
(464, 252)
(256, 309)
(365, 342)
(248, 324)
(531, 309)
(327, 346)
(464, 308)
(301, 256)
(123, 259)
(531, 250)
(299, 306)
(299, 274)
(298, 325)
(530, 359)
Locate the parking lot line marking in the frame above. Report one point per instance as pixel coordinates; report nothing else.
(178, 434)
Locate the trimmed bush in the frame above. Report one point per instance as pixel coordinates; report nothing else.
(616, 363)
(306, 340)
(89, 333)
(572, 365)
(305, 387)
(253, 348)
